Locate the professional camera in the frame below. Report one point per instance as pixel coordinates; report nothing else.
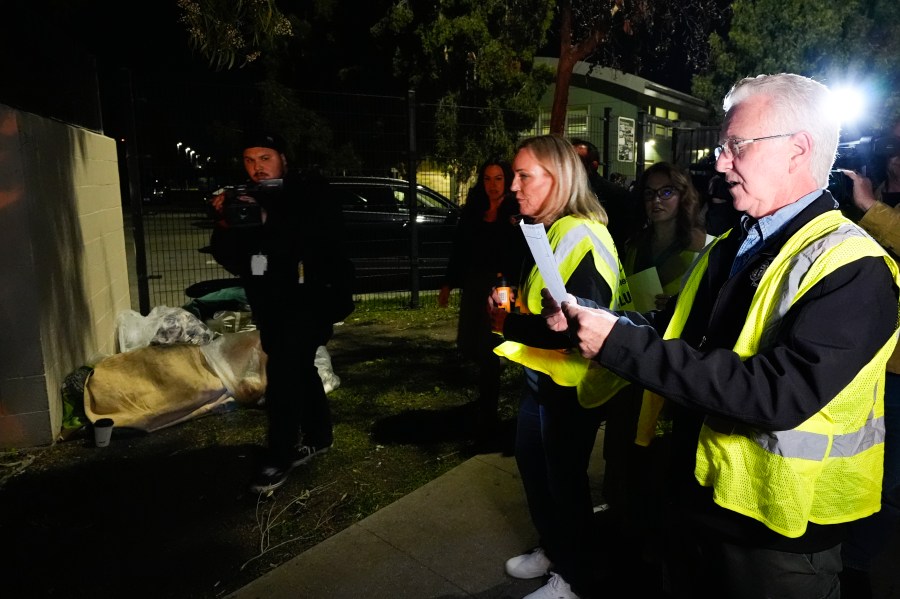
(242, 213)
(867, 156)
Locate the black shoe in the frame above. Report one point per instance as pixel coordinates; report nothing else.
(270, 477)
(275, 473)
(304, 453)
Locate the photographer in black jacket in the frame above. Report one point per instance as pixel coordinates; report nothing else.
(290, 256)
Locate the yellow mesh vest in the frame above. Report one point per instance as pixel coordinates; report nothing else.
(571, 239)
(828, 469)
(652, 403)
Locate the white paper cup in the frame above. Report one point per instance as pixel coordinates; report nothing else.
(103, 428)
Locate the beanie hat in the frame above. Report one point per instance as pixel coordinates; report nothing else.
(260, 139)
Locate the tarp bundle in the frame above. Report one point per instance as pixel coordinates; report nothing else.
(170, 371)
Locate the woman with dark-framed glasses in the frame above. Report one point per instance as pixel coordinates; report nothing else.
(667, 240)
(672, 233)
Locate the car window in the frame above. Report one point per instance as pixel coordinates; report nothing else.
(388, 198)
(429, 204)
(366, 198)
(380, 199)
(348, 199)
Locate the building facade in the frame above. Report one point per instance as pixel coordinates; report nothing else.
(633, 121)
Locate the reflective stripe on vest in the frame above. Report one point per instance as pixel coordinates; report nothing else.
(809, 446)
(571, 238)
(828, 469)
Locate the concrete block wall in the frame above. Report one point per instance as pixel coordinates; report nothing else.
(63, 271)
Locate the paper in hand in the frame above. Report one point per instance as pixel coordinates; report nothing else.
(536, 237)
(644, 287)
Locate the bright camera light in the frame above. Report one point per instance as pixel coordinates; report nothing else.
(848, 104)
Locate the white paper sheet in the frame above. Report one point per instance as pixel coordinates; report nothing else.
(536, 237)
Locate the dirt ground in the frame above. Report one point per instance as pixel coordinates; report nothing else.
(168, 514)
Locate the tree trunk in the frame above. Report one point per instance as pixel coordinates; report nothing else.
(570, 54)
(564, 68)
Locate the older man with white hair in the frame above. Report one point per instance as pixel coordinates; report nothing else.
(770, 360)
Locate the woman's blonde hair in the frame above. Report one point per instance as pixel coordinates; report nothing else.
(570, 194)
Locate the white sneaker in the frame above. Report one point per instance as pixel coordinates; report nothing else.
(556, 588)
(529, 565)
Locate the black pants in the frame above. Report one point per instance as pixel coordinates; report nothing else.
(296, 405)
(554, 439)
(702, 567)
(476, 342)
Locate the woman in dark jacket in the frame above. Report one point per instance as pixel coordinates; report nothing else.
(487, 242)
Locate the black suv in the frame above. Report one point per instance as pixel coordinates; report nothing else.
(376, 217)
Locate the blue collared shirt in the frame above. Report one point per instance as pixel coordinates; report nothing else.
(758, 231)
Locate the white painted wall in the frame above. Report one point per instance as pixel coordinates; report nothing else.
(63, 271)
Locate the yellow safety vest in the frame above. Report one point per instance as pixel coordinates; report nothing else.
(828, 469)
(571, 238)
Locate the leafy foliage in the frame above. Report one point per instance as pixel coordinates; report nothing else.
(846, 41)
(462, 54)
(233, 32)
(622, 35)
(470, 61)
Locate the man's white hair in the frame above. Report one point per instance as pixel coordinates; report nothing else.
(797, 104)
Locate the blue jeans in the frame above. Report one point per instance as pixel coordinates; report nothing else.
(866, 538)
(554, 440)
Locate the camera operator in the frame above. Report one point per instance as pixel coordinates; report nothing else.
(867, 538)
(291, 259)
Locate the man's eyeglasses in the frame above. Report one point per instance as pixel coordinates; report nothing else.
(732, 147)
(664, 193)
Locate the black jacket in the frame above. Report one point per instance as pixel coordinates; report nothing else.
(623, 210)
(300, 228)
(480, 247)
(826, 338)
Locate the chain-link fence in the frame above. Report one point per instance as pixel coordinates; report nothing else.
(367, 135)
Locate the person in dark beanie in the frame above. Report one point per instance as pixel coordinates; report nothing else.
(621, 208)
(288, 248)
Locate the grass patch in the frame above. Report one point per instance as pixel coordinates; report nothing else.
(176, 500)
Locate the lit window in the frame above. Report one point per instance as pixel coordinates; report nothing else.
(577, 121)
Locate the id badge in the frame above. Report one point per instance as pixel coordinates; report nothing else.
(258, 264)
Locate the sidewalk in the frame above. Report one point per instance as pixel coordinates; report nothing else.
(448, 539)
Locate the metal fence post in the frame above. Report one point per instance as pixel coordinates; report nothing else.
(411, 203)
(639, 142)
(133, 165)
(607, 118)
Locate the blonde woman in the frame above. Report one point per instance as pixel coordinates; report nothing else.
(558, 414)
